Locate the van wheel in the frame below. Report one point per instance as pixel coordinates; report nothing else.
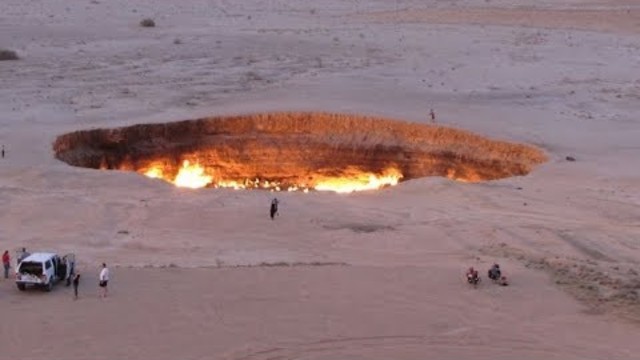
(21, 287)
(48, 287)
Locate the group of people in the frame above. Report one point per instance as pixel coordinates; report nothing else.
(494, 273)
(103, 279)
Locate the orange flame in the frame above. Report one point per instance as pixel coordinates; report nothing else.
(189, 176)
(154, 173)
(195, 176)
(360, 181)
(192, 176)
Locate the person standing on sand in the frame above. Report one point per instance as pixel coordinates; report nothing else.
(432, 114)
(274, 208)
(6, 262)
(104, 280)
(23, 254)
(76, 283)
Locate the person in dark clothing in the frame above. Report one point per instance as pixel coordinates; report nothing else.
(62, 269)
(76, 282)
(494, 273)
(274, 208)
(23, 255)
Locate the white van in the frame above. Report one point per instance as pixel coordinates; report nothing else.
(44, 270)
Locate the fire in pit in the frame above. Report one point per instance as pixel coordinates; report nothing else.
(351, 179)
(296, 152)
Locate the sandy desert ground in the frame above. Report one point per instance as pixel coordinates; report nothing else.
(206, 274)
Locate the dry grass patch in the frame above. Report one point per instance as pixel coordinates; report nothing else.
(603, 286)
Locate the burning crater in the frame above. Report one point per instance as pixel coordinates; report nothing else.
(295, 151)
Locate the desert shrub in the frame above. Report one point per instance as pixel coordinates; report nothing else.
(8, 55)
(148, 22)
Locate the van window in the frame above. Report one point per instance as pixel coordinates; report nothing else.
(48, 264)
(30, 267)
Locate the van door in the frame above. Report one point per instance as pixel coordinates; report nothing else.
(47, 269)
(70, 261)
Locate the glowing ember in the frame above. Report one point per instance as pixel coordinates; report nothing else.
(352, 179)
(192, 176)
(230, 184)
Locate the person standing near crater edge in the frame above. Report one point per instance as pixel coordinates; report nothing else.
(274, 208)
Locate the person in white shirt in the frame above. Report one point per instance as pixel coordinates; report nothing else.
(104, 279)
